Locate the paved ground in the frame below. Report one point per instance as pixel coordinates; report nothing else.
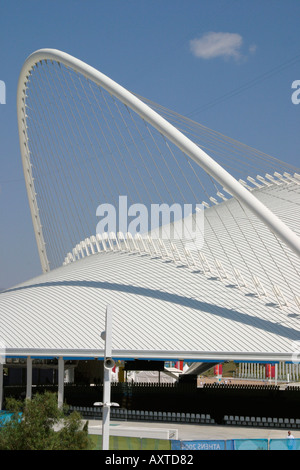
(199, 432)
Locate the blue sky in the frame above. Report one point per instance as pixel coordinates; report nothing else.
(228, 64)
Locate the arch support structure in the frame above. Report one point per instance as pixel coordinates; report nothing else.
(229, 183)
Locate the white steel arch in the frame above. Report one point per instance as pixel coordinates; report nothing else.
(215, 170)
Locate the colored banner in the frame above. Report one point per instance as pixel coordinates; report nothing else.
(198, 445)
(284, 444)
(249, 444)
(5, 417)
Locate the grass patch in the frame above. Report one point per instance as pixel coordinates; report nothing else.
(230, 369)
(129, 443)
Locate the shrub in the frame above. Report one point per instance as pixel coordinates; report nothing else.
(43, 426)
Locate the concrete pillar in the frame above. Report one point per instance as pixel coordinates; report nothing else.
(61, 376)
(280, 370)
(29, 378)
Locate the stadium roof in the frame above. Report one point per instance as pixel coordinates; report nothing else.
(163, 309)
(84, 139)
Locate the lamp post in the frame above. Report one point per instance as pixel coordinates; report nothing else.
(108, 365)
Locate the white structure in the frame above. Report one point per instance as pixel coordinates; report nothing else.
(236, 298)
(163, 309)
(211, 167)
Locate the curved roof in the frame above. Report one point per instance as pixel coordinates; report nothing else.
(164, 309)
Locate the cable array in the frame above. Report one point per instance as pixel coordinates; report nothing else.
(87, 149)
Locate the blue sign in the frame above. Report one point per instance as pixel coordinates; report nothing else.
(5, 417)
(250, 444)
(198, 445)
(284, 444)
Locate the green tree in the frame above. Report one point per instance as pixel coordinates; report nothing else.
(38, 424)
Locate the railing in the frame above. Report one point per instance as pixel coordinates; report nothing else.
(144, 415)
(244, 386)
(191, 418)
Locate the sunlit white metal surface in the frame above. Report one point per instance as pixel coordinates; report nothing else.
(162, 309)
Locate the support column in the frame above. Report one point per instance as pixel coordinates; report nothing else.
(29, 378)
(1, 385)
(61, 375)
(279, 370)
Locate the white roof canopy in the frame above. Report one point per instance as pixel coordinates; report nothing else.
(162, 309)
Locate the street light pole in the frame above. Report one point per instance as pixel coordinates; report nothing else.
(108, 365)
